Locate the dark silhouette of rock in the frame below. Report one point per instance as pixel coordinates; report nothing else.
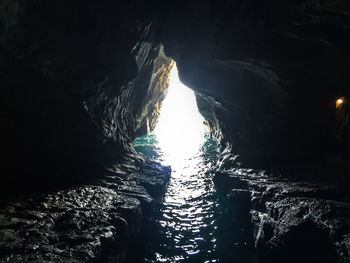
(80, 79)
(97, 222)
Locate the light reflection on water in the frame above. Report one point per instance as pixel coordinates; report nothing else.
(188, 216)
(195, 224)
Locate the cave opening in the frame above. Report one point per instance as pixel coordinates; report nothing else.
(80, 80)
(180, 130)
(193, 216)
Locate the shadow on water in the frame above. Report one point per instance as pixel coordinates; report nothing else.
(195, 223)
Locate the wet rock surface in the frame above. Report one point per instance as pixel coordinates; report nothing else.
(78, 80)
(75, 78)
(88, 223)
(292, 221)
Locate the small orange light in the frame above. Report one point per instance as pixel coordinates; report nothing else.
(339, 102)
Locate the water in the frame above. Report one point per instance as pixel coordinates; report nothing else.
(195, 223)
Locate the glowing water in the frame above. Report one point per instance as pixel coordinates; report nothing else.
(187, 226)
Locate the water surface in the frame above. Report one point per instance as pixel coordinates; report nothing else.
(195, 223)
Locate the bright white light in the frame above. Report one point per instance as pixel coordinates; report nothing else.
(180, 129)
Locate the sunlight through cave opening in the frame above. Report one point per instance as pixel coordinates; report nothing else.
(180, 130)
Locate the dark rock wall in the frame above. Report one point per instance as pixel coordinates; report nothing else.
(151, 93)
(81, 79)
(292, 220)
(74, 78)
(275, 66)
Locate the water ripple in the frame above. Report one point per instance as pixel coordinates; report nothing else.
(190, 223)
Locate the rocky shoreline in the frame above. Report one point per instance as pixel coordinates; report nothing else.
(103, 221)
(88, 223)
(292, 221)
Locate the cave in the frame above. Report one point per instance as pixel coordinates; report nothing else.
(96, 170)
